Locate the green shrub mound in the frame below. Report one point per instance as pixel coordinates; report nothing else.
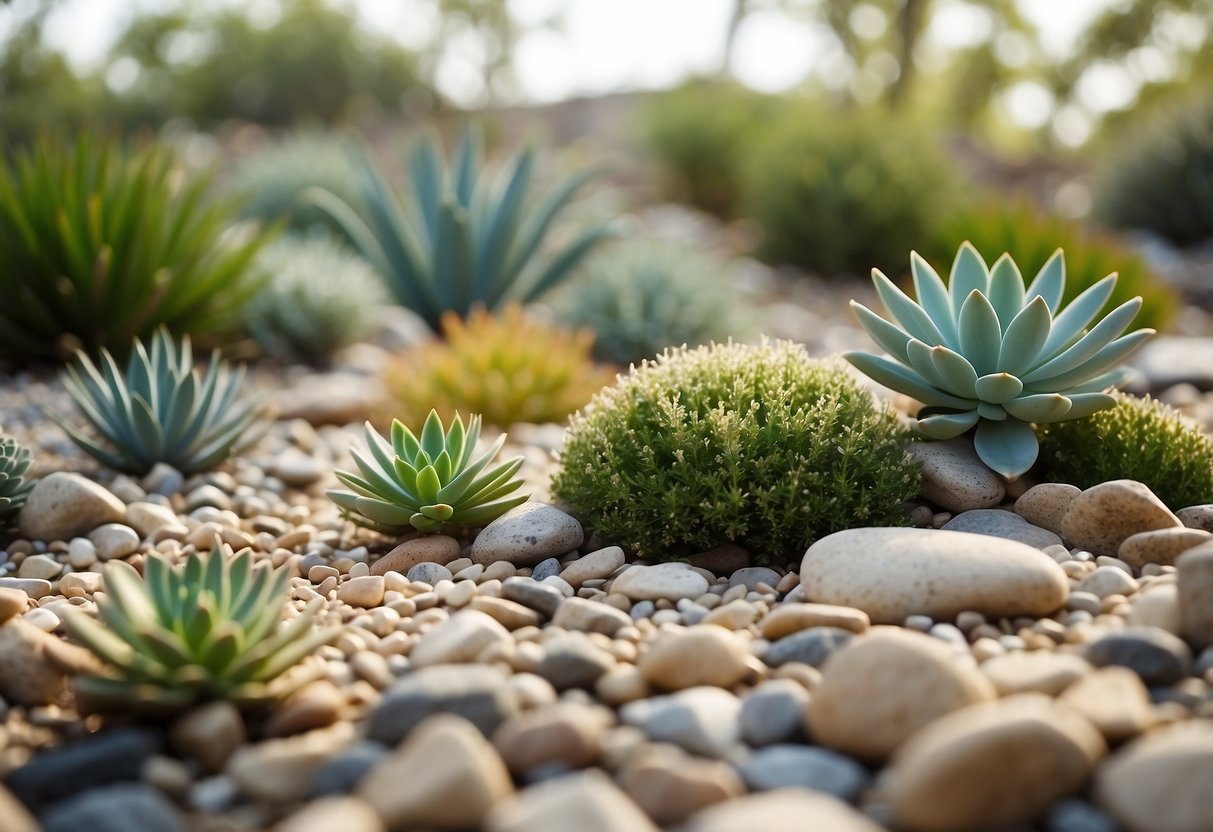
(755, 445)
(643, 296)
(841, 195)
(1137, 439)
(1160, 176)
(1031, 237)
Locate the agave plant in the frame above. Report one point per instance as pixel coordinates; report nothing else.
(462, 239)
(206, 629)
(14, 462)
(426, 483)
(101, 243)
(986, 353)
(162, 409)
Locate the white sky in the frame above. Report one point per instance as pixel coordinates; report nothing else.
(605, 45)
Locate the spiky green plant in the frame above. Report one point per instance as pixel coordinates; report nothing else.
(100, 243)
(461, 238)
(986, 353)
(14, 462)
(206, 629)
(426, 483)
(162, 409)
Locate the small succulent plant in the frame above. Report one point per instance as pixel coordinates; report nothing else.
(162, 409)
(986, 353)
(206, 629)
(508, 367)
(461, 239)
(14, 488)
(424, 484)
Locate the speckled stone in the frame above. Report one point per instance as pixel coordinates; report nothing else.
(1044, 505)
(1195, 590)
(527, 534)
(996, 522)
(1160, 782)
(892, 573)
(1160, 546)
(433, 548)
(1102, 517)
(64, 505)
(669, 581)
(954, 477)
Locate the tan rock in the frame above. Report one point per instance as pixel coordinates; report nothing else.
(1158, 606)
(587, 802)
(1101, 518)
(1044, 505)
(891, 573)
(432, 548)
(1114, 700)
(461, 638)
(671, 786)
(1161, 545)
(1035, 672)
(783, 810)
(569, 733)
(599, 564)
(510, 614)
(1197, 517)
(1196, 595)
(1160, 782)
(281, 770)
(954, 477)
(886, 685)
(328, 814)
(786, 619)
(27, 677)
(64, 505)
(364, 591)
(210, 734)
(313, 706)
(954, 776)
(12, 603)
(701, 655)
(14, 817)
(446, 775)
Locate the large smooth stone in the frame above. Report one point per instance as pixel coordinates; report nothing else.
(527, 534)
(587, 802)
(783, 810)
(1105, 515)
(992, 765)
(954, 477)
(891, 573)
(1196, 594)
(65, 505)
(1160, 782)
(885, 685)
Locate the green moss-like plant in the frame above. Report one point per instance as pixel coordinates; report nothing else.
(1137, 439)
(755, 445)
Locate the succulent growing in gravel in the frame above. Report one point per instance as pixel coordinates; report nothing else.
(206, 629)
(162, 409)
(986, 353)
(426, 483)
(14, 462)
(462, 239)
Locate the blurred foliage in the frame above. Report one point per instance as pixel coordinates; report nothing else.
(1159, 175)
(642, 296)
(314, 63)
(271, 182)
(100, 243)
(317, 296)
(837, 193)
(508, 368)
(995, 226)
(699, 134)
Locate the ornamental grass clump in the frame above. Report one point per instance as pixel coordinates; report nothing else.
(760, 446)
(508, 367)
(462, 238)
(14, 487)
(426, 483)
(161, 409)
(101, 243)
(1138, 439)
(210, 628)
(985, 354)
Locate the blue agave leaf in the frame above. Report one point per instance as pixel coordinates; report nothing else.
(969, 273)
(1025, 337)
(1040, 407)
(1084, 404)
(889, 336)
(947, 425)
(959, 373)
(933, 298)
(998, 388)
(1009, 448)
(904, 380)
(1006, 290)
(1105, 359)
(1077, 316)
(1089, 345)
(906, 312)
(1050, 281)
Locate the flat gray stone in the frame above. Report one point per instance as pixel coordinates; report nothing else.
(1005, 524)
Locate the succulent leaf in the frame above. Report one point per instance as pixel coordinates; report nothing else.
(1017, 360)
(14, 488)
(435, 482)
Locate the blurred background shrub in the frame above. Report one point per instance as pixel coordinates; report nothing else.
(509, 367)
(997, 225)
(841, 194)
(316, 297)
(101, 242)
(641, 296)
(1158, 177)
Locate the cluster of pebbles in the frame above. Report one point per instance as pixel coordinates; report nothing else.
(1032, 659)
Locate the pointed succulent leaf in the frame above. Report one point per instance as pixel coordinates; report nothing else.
(903, 380)
(1008, 447)
(933, 298)
(1050, 281)
(428, 484)
(1006, 290)
(969, 274)
(947, 425)
(998, 388)
(386, 514)
(404, 443)
(906, 312)
(1108, 357)
(1098, 337)
(1077, 316)
(920, 361)
(480, 514)
(889, 336)
(980, 336)
(1085, 404)
(1039, 407)
(959, 373)
(991, 411)
(439, 512)
(433, 440)
(1025, 337)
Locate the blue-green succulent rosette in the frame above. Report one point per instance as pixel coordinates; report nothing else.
(986, 354)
